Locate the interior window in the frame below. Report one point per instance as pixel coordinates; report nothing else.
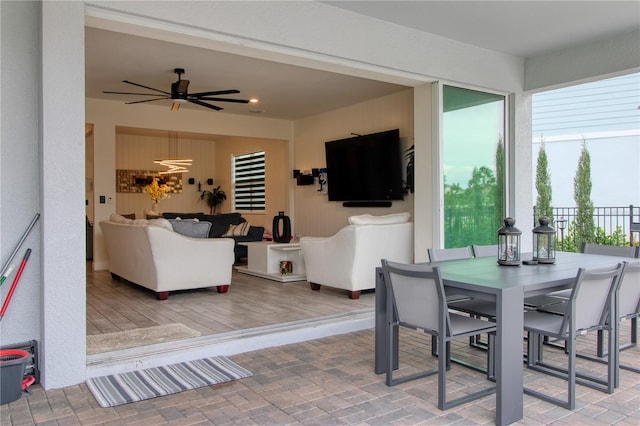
(249, 192)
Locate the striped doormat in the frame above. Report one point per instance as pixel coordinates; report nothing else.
(134, 386)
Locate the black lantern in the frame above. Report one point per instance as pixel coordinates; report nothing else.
(509, 243)
(544, 242)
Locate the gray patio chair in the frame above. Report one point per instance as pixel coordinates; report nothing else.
(628, 301)
(436, 255)
(633, 252)
(587, 309)
(416, 296)
(485, 251)
(547, 300)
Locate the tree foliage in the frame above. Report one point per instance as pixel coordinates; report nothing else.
(543, 184)
(500, 185)
(585, 228)
(473, 214)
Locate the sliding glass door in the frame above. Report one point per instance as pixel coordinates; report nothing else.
(473, 160)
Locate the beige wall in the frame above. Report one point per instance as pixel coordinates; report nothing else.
(277, 172)
(314, 214)
(136, 150)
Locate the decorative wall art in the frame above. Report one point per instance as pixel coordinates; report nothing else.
(135, 180)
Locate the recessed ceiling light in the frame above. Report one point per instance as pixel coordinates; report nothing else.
(253, 100)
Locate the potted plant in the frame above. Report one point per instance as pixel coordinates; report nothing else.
(213, 198)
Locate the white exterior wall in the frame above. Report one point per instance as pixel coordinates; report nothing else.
(604, 58)
(20, 178)
(49, 304)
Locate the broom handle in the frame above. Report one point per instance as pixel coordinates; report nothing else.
(15, 251)
(5, 305)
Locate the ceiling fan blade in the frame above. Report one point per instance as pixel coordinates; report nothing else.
(215, 93)
(204, 104)
(129, 93)
(147, 100)
(240, 101)
(145, 87)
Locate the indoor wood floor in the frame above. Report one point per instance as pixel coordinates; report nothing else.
(251, 302)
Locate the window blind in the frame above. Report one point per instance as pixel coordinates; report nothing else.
(249, 182)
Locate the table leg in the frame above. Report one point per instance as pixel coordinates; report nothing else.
(509, 382)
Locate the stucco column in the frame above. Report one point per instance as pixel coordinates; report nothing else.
(62, 191)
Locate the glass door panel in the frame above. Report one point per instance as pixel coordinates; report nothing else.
(473, 128)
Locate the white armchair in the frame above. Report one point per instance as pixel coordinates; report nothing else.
(348, 259)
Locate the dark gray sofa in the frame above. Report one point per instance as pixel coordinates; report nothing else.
(220, 224)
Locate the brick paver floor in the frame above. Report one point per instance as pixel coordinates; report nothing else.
(330, 381)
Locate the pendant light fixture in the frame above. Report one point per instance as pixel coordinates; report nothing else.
(173, 163)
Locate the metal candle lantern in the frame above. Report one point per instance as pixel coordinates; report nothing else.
(509, 243)
(544, 242)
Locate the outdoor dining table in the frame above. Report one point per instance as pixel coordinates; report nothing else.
(507, 286)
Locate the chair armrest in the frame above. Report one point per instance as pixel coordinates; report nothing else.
(329, 260)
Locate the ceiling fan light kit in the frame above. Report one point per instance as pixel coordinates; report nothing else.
(179, 94)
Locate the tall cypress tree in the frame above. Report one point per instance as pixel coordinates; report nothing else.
(543, 184)
(582, 195)
(500, 185)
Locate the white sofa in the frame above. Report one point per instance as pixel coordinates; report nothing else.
(152, 255)
(348, 259)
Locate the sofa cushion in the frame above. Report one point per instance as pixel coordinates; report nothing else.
(220, 222)
(191, 228)
(119, 219)
(240, 229)
(367, 219)
(182, 215)
(161, 222)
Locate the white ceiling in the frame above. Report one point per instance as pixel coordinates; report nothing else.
(520, 28)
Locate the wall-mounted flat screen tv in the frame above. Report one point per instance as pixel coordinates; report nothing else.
(365, 168)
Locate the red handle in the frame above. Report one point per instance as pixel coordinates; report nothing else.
(15, 283)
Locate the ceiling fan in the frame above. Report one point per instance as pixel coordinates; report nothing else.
(180, 95)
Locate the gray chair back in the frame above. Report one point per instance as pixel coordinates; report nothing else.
(436, 255)
(629, 291)
(589, 300)
(619, 251)
(485, 251)
(418, 295)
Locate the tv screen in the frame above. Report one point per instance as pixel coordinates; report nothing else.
(365, 168)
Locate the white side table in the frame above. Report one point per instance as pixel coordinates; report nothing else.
(264, 257)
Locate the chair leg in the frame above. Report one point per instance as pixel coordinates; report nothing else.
(443, 404)
(442, 374)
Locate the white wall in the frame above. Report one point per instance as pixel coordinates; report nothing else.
(20, 179)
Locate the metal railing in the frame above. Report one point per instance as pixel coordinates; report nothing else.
(619, 222)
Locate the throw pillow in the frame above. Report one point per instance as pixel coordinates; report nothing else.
(119, 219)
(239, 230)
(129, 216)
(367, 219)
(161, 223)
(191, 228)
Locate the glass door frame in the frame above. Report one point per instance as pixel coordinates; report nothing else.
(438, 150)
